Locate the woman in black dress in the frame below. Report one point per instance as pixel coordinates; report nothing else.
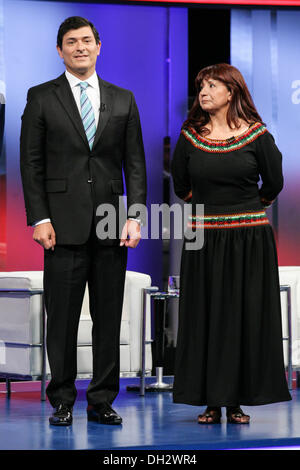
(229, 346)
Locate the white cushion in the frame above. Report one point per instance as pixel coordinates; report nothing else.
(85, 359)
(136, 282)
(85, 331)
(26, 361)
(21, 280)
(20, 318)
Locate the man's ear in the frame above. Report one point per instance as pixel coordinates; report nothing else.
(99, 45)
(59, 52)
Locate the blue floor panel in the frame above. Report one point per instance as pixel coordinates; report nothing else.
(152, 422)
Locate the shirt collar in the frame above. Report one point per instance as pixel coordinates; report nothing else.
(74, 81)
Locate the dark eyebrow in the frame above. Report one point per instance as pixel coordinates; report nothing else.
(75, 39)
(207, 80)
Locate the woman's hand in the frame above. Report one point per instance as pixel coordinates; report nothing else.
(266, 203)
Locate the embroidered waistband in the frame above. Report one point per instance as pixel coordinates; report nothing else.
(241, 219)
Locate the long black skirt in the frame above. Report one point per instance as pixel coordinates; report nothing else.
(229, 346)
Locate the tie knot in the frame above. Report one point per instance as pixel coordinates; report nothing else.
(83, 85)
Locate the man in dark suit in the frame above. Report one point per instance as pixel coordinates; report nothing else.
(78, 134)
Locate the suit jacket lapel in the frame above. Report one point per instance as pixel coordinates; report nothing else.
(66, 98)
(106, 97)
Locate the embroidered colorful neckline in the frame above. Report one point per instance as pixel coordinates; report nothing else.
(243, 219)
(224, 146)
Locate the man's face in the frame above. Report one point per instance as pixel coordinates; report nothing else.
(80, 51)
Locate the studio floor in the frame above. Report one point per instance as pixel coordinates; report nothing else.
(149, 422)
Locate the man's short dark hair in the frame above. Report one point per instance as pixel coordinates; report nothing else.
(75, 22)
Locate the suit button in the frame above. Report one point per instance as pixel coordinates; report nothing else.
(90, 180)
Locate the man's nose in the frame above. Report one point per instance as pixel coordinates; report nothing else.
(80, 46)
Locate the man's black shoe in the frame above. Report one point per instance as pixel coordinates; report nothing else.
(62, 416)
(103, 414)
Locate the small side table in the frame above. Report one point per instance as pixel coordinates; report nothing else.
(160, 304)
(287, 289)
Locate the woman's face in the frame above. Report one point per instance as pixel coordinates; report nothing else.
(213, 95)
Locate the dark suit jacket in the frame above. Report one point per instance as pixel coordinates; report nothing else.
(62, 178)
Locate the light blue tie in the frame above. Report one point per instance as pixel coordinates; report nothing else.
(87, 114)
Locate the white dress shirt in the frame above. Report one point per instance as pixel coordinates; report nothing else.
(93, 93)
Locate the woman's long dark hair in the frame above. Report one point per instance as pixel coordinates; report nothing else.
(241, 105)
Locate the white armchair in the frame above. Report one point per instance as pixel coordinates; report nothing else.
(21, 328)
(290, 275)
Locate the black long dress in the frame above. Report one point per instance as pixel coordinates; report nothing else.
(229, 346)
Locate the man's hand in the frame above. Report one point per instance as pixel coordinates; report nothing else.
(131, 234)
(44, 235)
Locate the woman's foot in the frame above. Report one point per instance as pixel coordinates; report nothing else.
(236, 415)
(212, 415)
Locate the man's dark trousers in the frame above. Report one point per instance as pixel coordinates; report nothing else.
(67, 269)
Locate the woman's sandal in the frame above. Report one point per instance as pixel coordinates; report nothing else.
(235, 414)
(211, 414)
